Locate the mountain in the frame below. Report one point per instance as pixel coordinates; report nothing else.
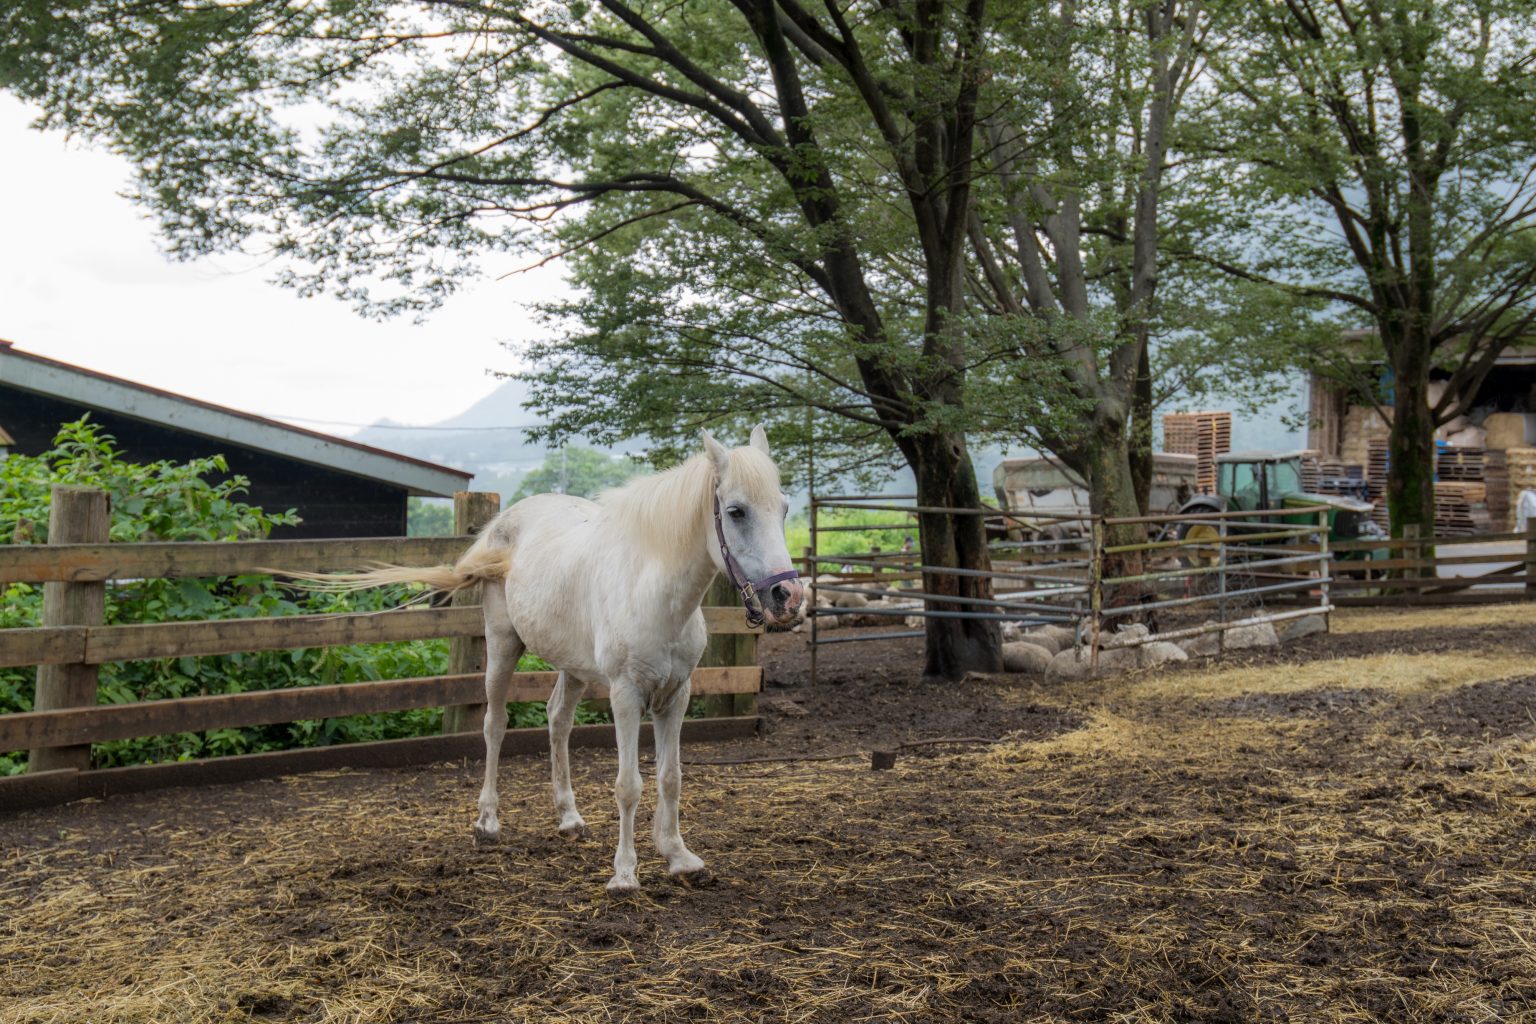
(490, 438)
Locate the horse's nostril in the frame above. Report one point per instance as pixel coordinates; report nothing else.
(782, 594)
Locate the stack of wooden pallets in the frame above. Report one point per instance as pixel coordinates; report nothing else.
(1461, 508)
(1311, 471)
(1204, 435)
(1376, 462)
(1496, 482)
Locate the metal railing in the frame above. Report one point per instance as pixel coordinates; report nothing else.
(1226, 565)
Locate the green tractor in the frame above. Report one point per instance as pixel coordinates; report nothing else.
(1254, 481)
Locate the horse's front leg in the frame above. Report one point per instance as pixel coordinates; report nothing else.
(668, 725)
(628, 705)
(562, 711)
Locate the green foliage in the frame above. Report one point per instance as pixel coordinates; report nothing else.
(428, 517)
(576, 470)
(170, 501)
(850, 542)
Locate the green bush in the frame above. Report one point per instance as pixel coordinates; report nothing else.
(849, 542)
(199, 500)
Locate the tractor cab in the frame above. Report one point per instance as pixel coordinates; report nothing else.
(1255, 480)
(1258, 481)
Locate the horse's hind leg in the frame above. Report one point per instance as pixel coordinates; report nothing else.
(562, 711)
(502, 649)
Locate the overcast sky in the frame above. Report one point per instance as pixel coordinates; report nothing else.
(82, 280)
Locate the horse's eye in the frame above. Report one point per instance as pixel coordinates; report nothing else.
(736, 512)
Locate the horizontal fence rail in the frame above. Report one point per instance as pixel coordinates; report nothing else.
(63, 729)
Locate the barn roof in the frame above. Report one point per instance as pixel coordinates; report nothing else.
(26, 371)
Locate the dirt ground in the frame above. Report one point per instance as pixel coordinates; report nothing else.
(1342, 830)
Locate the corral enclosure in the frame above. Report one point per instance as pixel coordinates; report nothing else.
(1339, 830)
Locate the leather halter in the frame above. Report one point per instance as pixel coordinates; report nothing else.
(739, 579)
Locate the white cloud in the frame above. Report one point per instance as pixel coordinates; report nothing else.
(82, 280)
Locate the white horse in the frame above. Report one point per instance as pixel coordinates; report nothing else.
(608, 592)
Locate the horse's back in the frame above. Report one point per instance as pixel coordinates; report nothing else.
(550, 541)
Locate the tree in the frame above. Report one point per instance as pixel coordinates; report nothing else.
(832, 152)
(1067, 234)
(576, 470)
(1377, 164)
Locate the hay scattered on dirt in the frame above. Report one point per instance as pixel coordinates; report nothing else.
(1381, 620)
(1336, 842)
(1399, 673)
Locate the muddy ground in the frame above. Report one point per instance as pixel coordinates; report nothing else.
(1342, 830)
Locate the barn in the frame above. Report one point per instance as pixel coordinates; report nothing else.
(338, 487)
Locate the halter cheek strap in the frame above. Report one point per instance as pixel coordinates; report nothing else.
(748, 587)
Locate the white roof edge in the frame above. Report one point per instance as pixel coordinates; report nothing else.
(60, 380)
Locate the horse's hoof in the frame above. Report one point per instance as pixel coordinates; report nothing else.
(685, 864)
(696, 878)
(574, 832)
(622, 885)
(485, 837)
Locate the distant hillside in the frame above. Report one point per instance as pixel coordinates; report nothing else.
(489, 439)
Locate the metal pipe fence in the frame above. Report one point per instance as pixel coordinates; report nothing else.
(1226, 563)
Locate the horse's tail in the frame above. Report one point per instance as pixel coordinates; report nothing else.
(480, 563)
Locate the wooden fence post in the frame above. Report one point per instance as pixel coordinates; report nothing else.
(78, 515)
(471, 511)
(1530, 561)
(728, 649)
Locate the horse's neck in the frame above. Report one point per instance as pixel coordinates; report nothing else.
(670, 530)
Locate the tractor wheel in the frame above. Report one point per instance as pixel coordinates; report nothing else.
(1198, 533)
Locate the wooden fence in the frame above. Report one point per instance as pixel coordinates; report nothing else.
(1483, 569)
(74, 641)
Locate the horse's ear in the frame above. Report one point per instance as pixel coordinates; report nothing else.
(716, 451)
(759, 439)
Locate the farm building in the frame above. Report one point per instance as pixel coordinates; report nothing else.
(338, 487)
(1484, 458)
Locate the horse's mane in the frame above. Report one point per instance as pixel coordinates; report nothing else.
(664, 512)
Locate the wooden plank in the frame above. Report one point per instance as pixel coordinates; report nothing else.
(1356, 566)
(227, 636)
(1418, 542)
(22, 730)
(42, 645)
(96, 645)
(23, 791)
(78, 563)
(258, 707)
(1513, 576)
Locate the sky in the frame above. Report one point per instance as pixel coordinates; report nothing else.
(83, 280)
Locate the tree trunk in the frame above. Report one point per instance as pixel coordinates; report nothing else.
(1112, 494)
(946, 479)
(1411, 444)
(1142, 466)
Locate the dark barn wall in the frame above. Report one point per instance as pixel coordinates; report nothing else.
(331, 504)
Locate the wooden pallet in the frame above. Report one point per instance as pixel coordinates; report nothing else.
(1460, 462)
(1204, 435)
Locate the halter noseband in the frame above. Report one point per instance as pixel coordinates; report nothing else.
(748, 587)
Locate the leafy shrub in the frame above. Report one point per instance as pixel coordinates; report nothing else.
(199, 500)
